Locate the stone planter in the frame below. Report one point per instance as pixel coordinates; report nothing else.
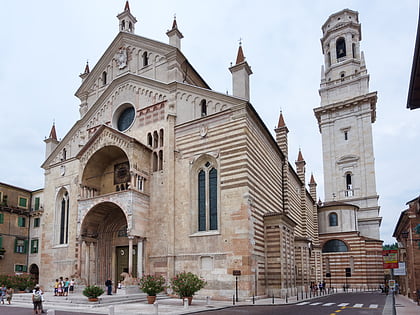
(151, 299)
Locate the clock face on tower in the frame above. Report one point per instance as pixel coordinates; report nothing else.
(121, 173)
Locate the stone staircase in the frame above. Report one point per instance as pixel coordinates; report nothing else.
(77, 299)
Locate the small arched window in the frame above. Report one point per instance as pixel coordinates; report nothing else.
(161, 137)
(149, 139)
(203, 106)
(155, 139)
(340, 47)
(104, 74)
(348, 181)
(353, 50)
(145, 59)
(333, 246)
(130, 26)
(333, 219)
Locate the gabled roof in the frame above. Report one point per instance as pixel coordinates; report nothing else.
(98, 132)
(124, 38)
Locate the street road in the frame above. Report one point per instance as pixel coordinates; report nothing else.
(340, 304)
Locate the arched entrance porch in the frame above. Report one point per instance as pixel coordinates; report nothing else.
(106, 248)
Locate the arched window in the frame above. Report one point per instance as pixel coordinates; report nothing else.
(104, 74)
(161, 137)
(333, 246)
(145, 59)
(155, 162)
(353, 50)
(348, 181)
(333, 219)
(203, 106)
(149, 139)
(207, 189)
(155, 139)
(63, 218)
(130, 26)
(160, 160)
(340, 47)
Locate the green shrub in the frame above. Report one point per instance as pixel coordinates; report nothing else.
(186, 284)
(152, 285)
(93, 291)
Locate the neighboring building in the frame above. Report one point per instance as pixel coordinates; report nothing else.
(407, 233)
(15, 206)
(413, 100)
(35, 220)
(161, 174)
(349, 218)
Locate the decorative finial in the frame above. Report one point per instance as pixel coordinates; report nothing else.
(240, 41)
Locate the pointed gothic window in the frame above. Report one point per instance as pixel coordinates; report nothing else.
(63, 218)
(207, 198)
(340, 48)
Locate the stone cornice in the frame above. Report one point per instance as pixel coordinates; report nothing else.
(371, 98)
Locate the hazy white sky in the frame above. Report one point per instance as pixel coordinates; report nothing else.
(45, 45)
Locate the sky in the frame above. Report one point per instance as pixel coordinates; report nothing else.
(46, 44)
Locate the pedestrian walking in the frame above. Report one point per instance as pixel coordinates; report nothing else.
(9, 294)
(3, 293)
(37, 299)
(108, 284)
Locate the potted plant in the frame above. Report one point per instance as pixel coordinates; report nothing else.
(92, 292)
(152, 285)
(186, 284)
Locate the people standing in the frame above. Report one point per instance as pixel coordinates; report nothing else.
(37, 299)
(71, 285)
(9, 294)
(56, 287)
(3, 293)
(66, 287)
(108, 284)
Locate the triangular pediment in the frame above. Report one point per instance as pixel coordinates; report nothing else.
(106, 136)
(125, 55)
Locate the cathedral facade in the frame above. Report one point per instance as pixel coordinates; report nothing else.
(161, 174)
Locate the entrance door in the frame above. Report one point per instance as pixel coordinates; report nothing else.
(122, 261)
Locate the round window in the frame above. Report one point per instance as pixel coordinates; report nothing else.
(125, 119)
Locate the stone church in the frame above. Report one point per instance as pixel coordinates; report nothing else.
(161, 174)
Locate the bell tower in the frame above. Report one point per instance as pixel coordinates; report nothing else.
(127, 20)
(345, 118)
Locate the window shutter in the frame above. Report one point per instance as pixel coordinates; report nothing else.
(25, 247)
(1, 242)
(1, 218)
(16, 244)
(37, 203)
(24, 268)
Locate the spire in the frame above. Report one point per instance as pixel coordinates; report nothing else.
(174, 25)
(281, 121)
(53, 134)
(300, 157)
(240, 75)
(240, 58)
(126, 19)
(87, 70)
(175, 35)
(312, 180)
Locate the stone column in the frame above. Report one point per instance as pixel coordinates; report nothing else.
(139, 258)
(87, 262)
(130, 255)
